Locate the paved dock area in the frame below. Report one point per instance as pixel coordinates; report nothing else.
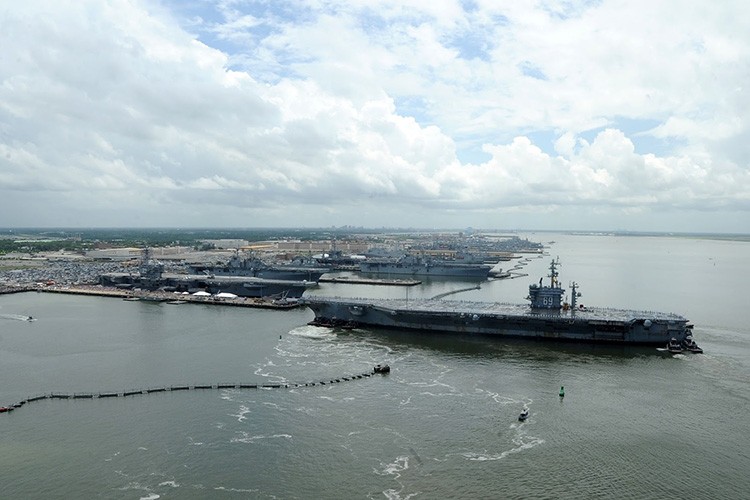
(156, 296)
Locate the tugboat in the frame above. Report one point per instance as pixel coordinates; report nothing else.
(383, 369)
(524, 414)
(674, 346)
(689, 345)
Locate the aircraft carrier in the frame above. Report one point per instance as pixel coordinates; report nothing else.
(252, 266)
(546, 317)
(413, 265)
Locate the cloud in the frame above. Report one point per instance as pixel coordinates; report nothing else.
(250, 113)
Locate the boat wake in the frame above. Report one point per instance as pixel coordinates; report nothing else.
(16, 317)
(504, 400)
(521, 441)
(247, 438)
(261, 371)
(395, 469)
(481, 457)
(313, 352)
(313, 332)
(240, 415)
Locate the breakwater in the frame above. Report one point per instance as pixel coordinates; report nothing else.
(442, 295)
(378, 369)
(7, 289)
(369, 281)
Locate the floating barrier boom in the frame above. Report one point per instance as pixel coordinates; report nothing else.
(382, 369)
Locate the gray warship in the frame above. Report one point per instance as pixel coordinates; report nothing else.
(546, 317)
(415, 265)
(255, 267)
(151, 276)
(242, 286)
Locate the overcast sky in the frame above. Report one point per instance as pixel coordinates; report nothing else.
(540, 114)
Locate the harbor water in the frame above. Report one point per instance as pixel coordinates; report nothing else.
(635, 422)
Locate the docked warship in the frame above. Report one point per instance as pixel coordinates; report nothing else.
(255, 267)
(545, 317)
(415, 265)
(151, 276)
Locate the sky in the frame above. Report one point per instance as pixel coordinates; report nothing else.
(571, 115)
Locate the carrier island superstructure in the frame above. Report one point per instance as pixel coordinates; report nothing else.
(545, 317)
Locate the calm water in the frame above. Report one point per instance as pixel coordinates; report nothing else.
(634, 423)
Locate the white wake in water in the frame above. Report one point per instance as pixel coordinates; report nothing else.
(16, 317)
(247, 438)
(313, 332)
(521, 441)
(395, 469)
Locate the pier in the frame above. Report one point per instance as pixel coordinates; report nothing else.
(368, 281)
(8, 289)
(167, 297)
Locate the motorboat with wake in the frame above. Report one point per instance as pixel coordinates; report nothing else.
(524, 415)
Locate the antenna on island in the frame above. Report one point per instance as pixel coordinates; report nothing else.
(574, 294)
(554, 264)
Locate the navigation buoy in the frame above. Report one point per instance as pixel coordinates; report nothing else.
(562, 391)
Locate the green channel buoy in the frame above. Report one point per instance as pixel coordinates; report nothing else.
(562, 391)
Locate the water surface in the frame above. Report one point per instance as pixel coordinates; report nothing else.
(634, 423)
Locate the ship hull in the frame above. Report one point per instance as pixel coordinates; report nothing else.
(279, 274)
(590, 326)
(273, 273)
(239, 285)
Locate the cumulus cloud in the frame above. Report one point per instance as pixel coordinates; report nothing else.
(255, 114)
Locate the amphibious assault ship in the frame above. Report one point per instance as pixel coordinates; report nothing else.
(546, 317)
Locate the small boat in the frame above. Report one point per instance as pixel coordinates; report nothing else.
(5, 409)
(381, 369)
(689, 345)
(524, 415)
(674, 346)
